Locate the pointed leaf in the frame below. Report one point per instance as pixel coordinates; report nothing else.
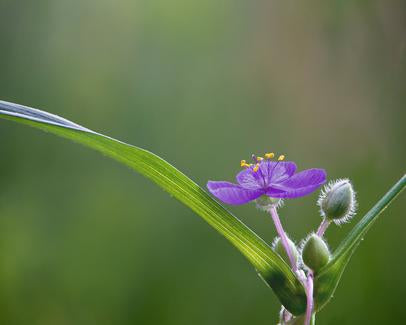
(269, 265)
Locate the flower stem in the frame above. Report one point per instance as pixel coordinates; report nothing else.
(323, 227)
(283, 237)
(309, 293)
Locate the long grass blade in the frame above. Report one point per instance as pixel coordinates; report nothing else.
(269, 265)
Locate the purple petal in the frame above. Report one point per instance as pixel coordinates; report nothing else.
(278, 171)
(231, 193)
(298, 185)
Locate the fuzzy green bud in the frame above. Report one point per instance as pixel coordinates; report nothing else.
(280, 249)
(337, 201)
(315, 253)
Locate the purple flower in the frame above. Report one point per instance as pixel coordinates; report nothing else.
(275, 179)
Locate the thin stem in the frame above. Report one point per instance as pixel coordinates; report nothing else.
(323, 227)
(309, 293)
(283, 237)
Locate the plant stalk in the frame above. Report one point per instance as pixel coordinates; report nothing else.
(309, 293)
(323, 227)
(283, 237)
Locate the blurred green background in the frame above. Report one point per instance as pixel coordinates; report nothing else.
(202, 84)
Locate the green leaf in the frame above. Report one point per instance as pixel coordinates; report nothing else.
(327, 280)
(269, 265)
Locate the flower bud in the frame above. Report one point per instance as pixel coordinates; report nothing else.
(315, 253)
(337, 201)
(280, 249)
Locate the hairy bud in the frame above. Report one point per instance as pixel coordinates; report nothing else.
(315, 253)
(280, 250)
(337, 201)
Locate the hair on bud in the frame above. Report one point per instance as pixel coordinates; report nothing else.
(337, 201)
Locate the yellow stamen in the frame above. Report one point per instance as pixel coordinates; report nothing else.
(256, 168)
(260, 158)
(269, 155)
(281, 157)
(243, 163)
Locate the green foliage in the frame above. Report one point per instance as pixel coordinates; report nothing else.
(269, 265)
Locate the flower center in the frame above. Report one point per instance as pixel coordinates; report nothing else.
(256, 166)
(257, 161)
